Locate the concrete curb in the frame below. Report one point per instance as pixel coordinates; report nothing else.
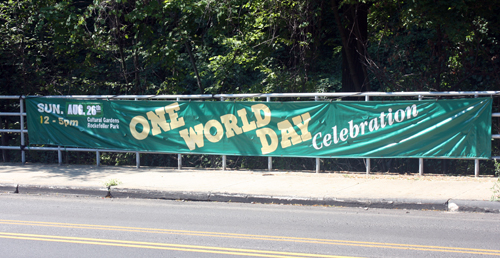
(476, 206)
(411, 204)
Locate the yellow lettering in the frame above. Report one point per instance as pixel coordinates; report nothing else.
(246, 126)
(218, 136)
(158, 120)
(287, 134)
(229, 122)
(193, 137)
(302, 122)
(175, 121)
(145, 127)
(261, 121)
(266, 146)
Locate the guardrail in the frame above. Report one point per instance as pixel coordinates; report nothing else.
(267, 96)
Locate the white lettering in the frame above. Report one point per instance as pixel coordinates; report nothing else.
(343, 134)
(352, 128)
(327, 140)
(314, 141)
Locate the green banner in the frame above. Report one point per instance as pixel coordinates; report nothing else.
(372, 129)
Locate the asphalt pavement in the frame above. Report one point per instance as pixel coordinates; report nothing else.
(377, 190)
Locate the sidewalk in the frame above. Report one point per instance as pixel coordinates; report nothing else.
(353, 189)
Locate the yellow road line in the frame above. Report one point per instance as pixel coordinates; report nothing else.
(259, 237)
(161, 246)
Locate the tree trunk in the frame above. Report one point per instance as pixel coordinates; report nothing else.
(191, 57)
(353, 32)
(136, 71)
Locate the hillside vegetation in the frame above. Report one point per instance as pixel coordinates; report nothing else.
(71, 47)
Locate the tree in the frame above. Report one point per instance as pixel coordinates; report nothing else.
(433, 45)
(201, 46)
(353, 29)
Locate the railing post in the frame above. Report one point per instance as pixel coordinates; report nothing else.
(224, 162)
(476, 168)
(223, 156)
(420, 166)
(23, 153)
(368, 161)
(420, 160)
(137, 160)
(476, 161)
(59, 155)
(269, 159)
(179, 156)
(97, 158)
(137, 156)
(318, 162)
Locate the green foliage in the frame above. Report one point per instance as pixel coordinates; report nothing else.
(497, 168)
(436, 46)
(495, 197)
(145, 47)
(65, 47)
(111, 182)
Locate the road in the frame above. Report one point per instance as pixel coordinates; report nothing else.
(70, 226)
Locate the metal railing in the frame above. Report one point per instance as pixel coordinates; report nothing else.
(222, 97)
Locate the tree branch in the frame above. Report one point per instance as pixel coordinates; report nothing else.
(191, 57)
(345, 44)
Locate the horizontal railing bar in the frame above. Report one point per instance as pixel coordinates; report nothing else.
(10, 147)
(147, 152)
(11, 97)
(290, 95)
(360, 94)
(11, 114)
(495, 114)
(287, 95)
(495, 136)
(275, 95)
(437, 93)
(75, 149)
(12, 131)
(78, 149)
(203, 96)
